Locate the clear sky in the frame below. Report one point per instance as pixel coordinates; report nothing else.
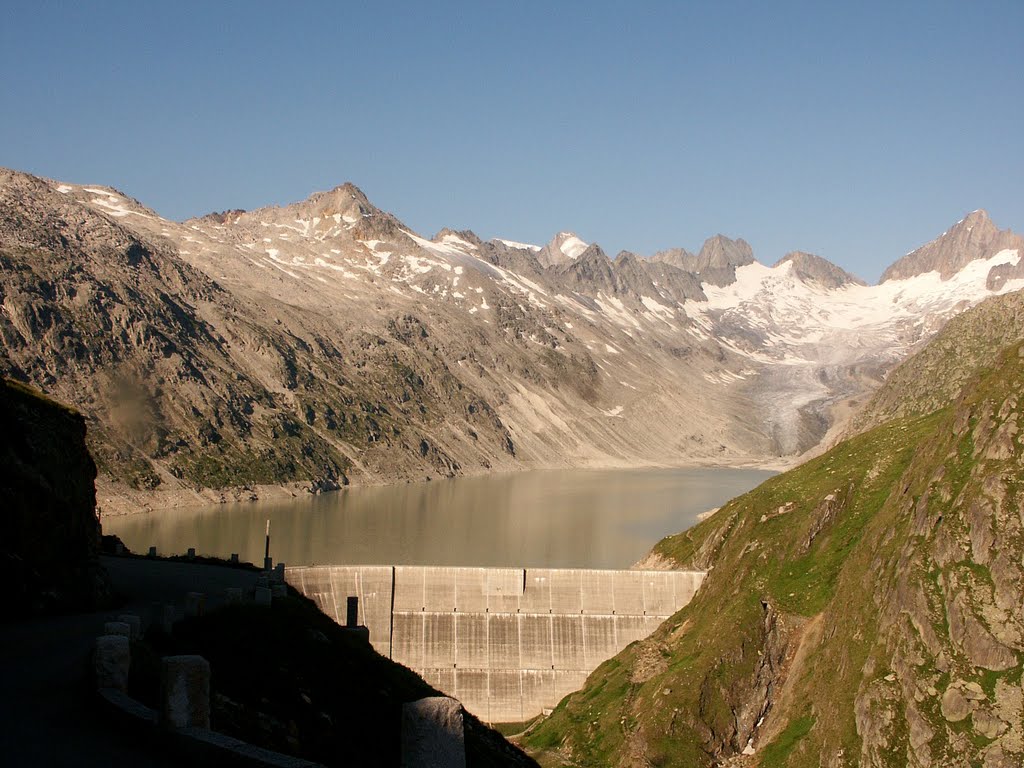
(856, 132)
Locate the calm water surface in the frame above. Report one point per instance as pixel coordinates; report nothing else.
(558, 519)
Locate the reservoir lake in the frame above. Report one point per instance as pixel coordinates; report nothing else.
(580, 518)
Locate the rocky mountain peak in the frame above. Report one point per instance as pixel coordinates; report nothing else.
(563, 248)
(721, 251)
(344, 199)
(974, 237)
(811, 268)
(718, 258)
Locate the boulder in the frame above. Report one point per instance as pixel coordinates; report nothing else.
(955, 707)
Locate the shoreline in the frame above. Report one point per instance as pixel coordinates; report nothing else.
(114, 499)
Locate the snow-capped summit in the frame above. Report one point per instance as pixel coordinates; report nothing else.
(563, 248)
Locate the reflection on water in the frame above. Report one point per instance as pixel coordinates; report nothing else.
(558, 519)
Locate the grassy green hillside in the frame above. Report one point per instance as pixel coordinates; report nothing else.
(862, 609)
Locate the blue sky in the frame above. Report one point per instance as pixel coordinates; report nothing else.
(857, 132)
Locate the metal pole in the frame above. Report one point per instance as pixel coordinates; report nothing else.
(266, 552)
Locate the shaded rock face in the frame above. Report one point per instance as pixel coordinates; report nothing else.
(50, 542)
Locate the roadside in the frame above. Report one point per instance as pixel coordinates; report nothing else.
(49, 709)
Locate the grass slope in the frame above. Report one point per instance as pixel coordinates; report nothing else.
(847, 601)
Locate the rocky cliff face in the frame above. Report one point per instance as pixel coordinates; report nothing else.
(50, 545)
(861, 610)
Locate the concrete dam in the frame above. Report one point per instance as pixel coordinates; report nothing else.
(507, 642)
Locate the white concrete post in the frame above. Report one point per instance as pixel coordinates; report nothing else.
(112, 658)
(185, 692)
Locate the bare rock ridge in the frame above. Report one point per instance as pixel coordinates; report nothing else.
(861, 609)
(809, 267)
(325, 342)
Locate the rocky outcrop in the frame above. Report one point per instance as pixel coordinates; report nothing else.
(50, 547)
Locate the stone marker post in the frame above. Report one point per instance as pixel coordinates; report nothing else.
(111, 660)
(185, 692)
(432, 735)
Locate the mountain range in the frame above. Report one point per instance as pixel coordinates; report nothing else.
(325, 342)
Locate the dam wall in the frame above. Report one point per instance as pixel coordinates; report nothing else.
(507, 642)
